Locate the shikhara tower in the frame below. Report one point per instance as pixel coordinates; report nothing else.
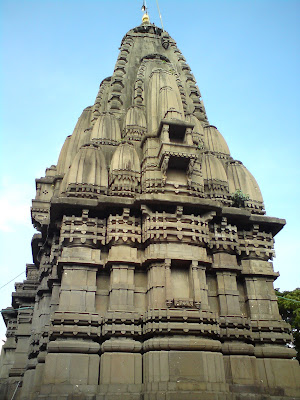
(152, 276)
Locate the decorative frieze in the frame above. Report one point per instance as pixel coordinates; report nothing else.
(40, 213)
(180, 322)
(74, 324)
(223, 236)
(256, 244)
(123, 228)
(183, 303)
(162, 226)
(118, 323)
(270, 331)
(235, 328)
(79, 231)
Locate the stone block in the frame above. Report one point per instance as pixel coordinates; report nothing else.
(225, 260)
(156, 366)
(241, 369)
(72, 368)
(196, 366)
(123, 254)
(121, 368)
(280, 373)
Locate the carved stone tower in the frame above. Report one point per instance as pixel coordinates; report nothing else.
(152, 276)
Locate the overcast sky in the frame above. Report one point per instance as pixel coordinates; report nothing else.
(245, 58)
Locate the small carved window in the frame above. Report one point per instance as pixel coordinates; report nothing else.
(177, 133)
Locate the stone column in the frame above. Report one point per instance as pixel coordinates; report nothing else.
(261, 299)
(168, 284)
(22, 334)
(157, 285)
(165, 134)
(71, 358)
(121, 358)
(24, 300)
(72, 354)
(228, 294)
(270, 332)
(78, 288)
(200, 288)
(238, 355)
(7, 358)
(121, 296)
(188, 136)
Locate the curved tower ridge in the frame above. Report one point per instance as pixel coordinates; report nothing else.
(152, 274)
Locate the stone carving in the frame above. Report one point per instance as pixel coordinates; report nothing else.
(256, 244)
(173, 227)
(165, 41)
(99, 106)
(124, 178)
(123, 228)
(77, 231)
(224, 236)
(182, 303)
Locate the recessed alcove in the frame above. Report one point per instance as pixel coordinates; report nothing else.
(177, 170)
(177, 133)
(180, 283)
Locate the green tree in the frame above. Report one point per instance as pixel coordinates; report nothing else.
(289, 308)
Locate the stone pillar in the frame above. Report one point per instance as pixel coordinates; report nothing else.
(200, 288)
(165, 134)
(121, 359)
(38, 340)
(157, 285)
(69, 358)
(121, 288)
(121, 368)
(168, 284)
(238, 354)
(23, 334)
(72, 354)
(8, 349)
(48, 304)
(270, 332)
(261, 299)
(228, 294)
(188, 136)
(78, 288)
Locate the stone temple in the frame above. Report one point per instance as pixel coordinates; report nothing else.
(151, 275)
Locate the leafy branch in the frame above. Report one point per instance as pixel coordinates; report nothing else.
(239, 198)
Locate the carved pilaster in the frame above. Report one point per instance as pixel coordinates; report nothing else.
(200, 287)
(165, 133)
(123, 229)
(121, 295)
(169, 297)
(156, 290)
(228, 294)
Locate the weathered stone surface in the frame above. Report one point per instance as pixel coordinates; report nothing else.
(152, 275)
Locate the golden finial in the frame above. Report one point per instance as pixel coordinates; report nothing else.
(145, 18)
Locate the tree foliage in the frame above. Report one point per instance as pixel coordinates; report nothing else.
(289, 308)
